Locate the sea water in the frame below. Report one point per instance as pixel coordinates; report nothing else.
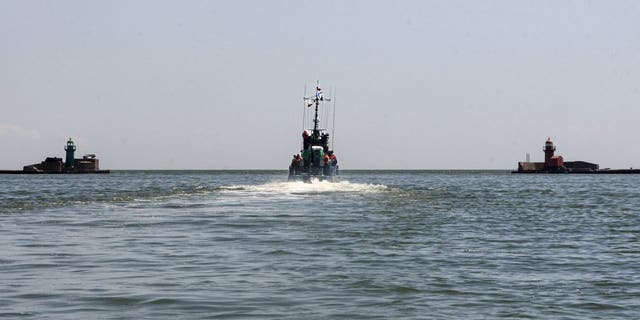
(377, 245)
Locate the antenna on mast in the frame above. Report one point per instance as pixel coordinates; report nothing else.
(304, 107)
(333, 126)
(304, 113)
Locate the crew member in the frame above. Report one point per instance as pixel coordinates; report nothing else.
(334, 159)
(298, 162)
(294, 165)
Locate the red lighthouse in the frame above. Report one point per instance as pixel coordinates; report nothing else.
(551, 161)
(548, 149)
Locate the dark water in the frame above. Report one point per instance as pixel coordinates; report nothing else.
(387, 245)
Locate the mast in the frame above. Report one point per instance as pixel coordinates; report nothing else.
(315, 135)
(316, 121)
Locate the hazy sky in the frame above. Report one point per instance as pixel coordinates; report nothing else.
(419, 84)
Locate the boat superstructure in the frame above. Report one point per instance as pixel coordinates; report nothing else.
(316, 159)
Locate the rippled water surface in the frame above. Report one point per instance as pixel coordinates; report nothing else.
(379, 244)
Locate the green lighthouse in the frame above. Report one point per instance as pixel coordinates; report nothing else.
(70, 149)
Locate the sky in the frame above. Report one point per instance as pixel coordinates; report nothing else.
(418, 84)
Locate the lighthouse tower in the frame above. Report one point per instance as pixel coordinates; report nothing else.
(548, 149)
(551, 162)
(70, 149)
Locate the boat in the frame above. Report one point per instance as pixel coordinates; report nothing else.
(316, 160)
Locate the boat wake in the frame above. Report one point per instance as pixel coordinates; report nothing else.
(316, 187)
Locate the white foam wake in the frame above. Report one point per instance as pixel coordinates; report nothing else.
(299, 187)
